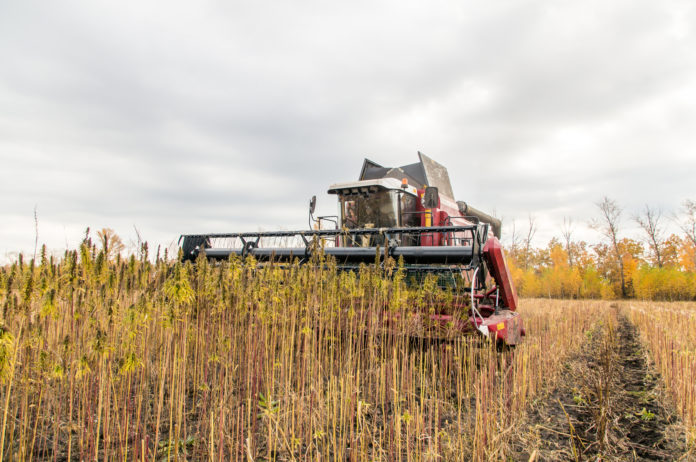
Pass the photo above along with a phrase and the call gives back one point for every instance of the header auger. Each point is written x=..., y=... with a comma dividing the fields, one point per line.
x=383, y=213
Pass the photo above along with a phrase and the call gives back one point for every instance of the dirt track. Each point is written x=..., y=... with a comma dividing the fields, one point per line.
x=610, y=406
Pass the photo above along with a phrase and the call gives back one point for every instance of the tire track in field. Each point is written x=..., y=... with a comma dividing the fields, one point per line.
x=610, y=405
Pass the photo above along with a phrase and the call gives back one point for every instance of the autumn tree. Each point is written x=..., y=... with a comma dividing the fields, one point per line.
x=608, y=226
x=672, y=249
x=561, y=279
x=513, y=250
x=531, y=231
x=687, y=255
x=567, y=234
x=687, y=223
x=111, y=243
x=688, y=220
x=582, y=257
x=649, y=222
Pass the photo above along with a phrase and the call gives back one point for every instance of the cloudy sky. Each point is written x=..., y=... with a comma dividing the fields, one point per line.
x=178, y=117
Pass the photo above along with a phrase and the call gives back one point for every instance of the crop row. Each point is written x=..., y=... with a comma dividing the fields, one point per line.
x=114, y=359
x=670, y=334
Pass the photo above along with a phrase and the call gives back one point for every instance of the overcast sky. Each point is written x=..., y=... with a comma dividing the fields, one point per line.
x=205, y=116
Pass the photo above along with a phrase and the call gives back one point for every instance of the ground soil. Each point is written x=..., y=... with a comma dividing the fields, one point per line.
x=640, y=421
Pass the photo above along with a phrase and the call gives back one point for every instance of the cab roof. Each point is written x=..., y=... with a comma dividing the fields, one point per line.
x=426, y=172
x=368, y=186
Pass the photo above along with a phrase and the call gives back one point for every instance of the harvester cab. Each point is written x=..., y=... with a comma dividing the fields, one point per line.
x=407, y=213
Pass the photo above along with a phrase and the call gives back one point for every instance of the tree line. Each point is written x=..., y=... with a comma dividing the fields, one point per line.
x=654, y=266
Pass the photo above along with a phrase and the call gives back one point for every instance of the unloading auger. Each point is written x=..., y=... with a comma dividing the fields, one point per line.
x=384, y=214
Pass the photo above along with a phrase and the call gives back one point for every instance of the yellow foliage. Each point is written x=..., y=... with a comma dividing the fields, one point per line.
x=687, y=256
x=592, y=285
x=559, y=257
x=608, y=292
x=664, y=284
x=530, y=285
x=515, y=273
x=555, y=275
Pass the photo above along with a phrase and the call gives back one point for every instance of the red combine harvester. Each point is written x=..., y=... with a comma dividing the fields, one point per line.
x=406, y=213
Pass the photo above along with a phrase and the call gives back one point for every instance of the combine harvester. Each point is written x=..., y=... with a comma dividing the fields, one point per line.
x=405, y=213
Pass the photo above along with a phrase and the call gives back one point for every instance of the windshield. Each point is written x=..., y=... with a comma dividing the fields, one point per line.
x=380, y=209
x=374, y=210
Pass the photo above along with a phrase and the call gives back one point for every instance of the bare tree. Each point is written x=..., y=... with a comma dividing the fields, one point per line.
x=649, y=221
x=528, y=240
x=111, y=242
x=567, y=233
x=514, y=238
x=608, y=226
x=688, y=221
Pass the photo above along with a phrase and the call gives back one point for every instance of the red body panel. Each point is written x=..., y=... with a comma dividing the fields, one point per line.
x=503, y=325
x=493, y=253
x=438, y=216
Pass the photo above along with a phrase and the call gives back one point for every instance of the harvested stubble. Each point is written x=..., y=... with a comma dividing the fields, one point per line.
x=129, y=359
x=669, y=330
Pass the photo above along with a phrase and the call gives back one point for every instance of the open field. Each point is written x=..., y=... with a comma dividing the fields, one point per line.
x=134, y=360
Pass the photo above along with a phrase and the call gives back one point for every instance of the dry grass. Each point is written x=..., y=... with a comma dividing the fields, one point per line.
x=140, y=361
x=669, y=330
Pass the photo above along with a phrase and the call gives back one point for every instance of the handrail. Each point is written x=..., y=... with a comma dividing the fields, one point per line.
x=337, y=232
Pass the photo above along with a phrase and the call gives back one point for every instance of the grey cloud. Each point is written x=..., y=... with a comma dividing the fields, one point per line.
x=232, y=114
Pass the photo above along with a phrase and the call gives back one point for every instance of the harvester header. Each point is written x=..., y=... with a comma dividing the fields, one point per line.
x=407, y=213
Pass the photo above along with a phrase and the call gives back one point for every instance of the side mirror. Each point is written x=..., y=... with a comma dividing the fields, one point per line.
x=312, y=204
x=431, y=198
